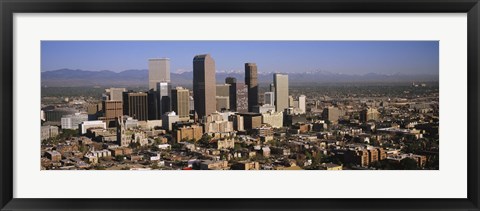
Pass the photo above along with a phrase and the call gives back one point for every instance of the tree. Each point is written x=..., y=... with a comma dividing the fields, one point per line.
x=408, y=164
x=154, y=166
x=119, y=157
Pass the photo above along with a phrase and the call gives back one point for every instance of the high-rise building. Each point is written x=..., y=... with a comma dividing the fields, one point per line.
x=242, y=97
x=223, y=90
x=153, y=105
x=115, y=93
x=135, y=104
x=302, y=103
x=223, y=103
x=204, y=85
x=291, y=102
x=180, y=103
x=164, y=90
x=112, y=109
x=223, y=97
x=232, y=92
x=281, y=91
x=158, y=71
x=251, y=80
x=269, y=98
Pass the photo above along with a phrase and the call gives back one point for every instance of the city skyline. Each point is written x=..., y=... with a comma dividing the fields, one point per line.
x=153, y=126
x=343, y=57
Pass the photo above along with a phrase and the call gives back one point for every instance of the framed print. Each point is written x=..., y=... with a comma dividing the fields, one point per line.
x=239, y=105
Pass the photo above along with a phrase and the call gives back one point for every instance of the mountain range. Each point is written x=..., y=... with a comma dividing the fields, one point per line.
x=76, y=78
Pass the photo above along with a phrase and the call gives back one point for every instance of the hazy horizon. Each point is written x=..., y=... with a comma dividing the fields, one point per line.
x=338, y=57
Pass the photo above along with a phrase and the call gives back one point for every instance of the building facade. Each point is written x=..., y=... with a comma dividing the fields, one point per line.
x=158, y=71
x=135, y=104
x=232, y=92
x=204, y=85
x=112, y=109
x=251, y=80
x=180, y=103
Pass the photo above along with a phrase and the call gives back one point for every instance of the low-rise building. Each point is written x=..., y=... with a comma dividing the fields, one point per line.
x=48, y=131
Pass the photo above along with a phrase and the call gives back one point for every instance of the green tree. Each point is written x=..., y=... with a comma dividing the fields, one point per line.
x=408, y=164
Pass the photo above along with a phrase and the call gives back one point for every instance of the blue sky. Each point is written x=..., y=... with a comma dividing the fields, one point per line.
x=347, y=57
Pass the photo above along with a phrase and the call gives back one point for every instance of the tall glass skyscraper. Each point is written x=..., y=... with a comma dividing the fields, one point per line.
x=251, y=81
x=204, y=85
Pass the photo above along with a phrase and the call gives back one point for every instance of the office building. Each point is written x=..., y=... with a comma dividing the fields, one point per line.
x=204, y=85
x=291, y=102
x=112, y=109
x=242, y=97
x=164, y=90
x=281, y=91
x=223, y=97
x=223, y=90
x=263, y=108
x=72, y=121
x=193, y=132
x=232, y=92
x=251, y=120
x=158, y=71
x=331, y=114
x=223, y=103
x=269, y=98
x=180, y=103
x=55, y=114
x=168, y=119
x=84, y=126
x=217, y=123
x=115, y=94
x=237, y=122
x=251, y=80
x=135, y=104
x=48, y=131
x=153, y=105
x=302, y=103
x=272, y=118
x=94, y=110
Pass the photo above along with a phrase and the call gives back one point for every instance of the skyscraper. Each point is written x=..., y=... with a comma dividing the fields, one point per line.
x=281, y=91
x=204, y=85
x=153, y=105
x=164, y=90
x=223, y=97
x=302, y=103
x=135, y=104
x=269, y=98
x=251, y=81
x=233, y=92
x=180, y=103
x=115, y=93
x=158, y=71
x=112, y=109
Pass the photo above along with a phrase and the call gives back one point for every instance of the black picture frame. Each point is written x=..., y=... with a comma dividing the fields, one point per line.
x=10, y=7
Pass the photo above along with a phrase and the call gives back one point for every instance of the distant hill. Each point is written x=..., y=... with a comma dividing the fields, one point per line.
x=75, y=78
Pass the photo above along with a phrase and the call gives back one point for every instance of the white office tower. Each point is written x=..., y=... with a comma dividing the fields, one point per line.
x=302, y=103
x=158, y=71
